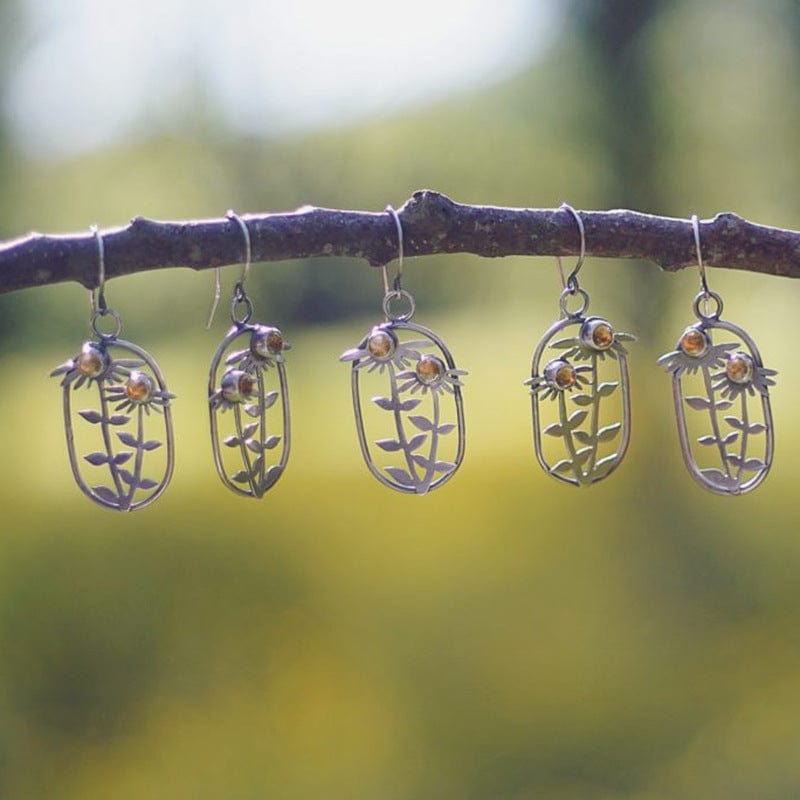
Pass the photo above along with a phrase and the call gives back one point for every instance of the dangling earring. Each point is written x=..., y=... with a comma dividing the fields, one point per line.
x=723, y=375
x=241, y=457
x=573, y=371
x=420, y=370
x=128, y=389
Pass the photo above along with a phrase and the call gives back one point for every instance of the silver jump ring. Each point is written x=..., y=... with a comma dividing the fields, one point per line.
x=240, y=298
x=704, y=297
x=106, y=312
x=570, y=292
x=394, y=295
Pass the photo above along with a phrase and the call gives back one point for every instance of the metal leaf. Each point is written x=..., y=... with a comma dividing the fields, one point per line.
x=582, y=399
x=754, y=464
x=448, y=427
x=386, y=403
x=554, y=430
x=128, y=477
x=604, y=464
x=271, y=441
x=106, y=494
x=269, y=399
x=147, y=483
x=423, y=423
x=118, y=419
x=422, y=461
x=734, y=459
x=731, y=437
x=253, y=445
x=400, y=475
x=409, y=405
x=97, y=458
x=708, y=440
x=121, y=458
x=698, y=403
x=562, y=466
x=249, y=430
x=723, y=404
x=609, y=432
x=756, y=427
x=605, y=389
x=444, y=466
x=253, y=409
x=128, y=438
x=240, y=477
x=584, y=437
x=560, y=344
x=576, y=418
x=735, y=422
x=390, y=445
x=91, y=416
x=416, y=441
x=231, y=441
x=582, y=456
x=152, y=444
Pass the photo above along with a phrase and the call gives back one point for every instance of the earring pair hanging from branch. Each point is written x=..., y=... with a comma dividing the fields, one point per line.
x=126, y=468
x=417, y=410
x=580, y=366
x=253, y=388
x=729, y=385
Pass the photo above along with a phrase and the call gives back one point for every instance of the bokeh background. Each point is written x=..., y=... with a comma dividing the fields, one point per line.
x=507, y=636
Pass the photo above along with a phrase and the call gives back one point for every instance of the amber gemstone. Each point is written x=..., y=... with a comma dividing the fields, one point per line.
x=739, y=368
x=694, y=343
x=139, y=387
x=381, y=345
x=565, y=376
x=430, y=370
x=560, y=374
x=91, y=361
x=597, y=333
x=266, y=342
x=237, y=385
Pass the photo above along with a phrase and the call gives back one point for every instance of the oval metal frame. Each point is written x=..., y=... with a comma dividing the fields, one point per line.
x=111, y=341
x=625, y=434
x=268, y=476
x=458, y=400
x=683, y=433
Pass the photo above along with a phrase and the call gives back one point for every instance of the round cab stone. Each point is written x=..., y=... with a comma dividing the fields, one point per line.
x=381, y=345
x=139, y=387
x=430, y=369
x=597, y=333
x=694, y=343
x=237, y=385
x=266, y=342
x=91, y=361
x=739, y=368
x=560, y=374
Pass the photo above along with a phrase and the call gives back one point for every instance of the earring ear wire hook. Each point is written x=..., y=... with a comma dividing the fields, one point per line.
x=572, y=281
x=98, y=295
x=701, y=266
x=238, y=292
x=397, y=284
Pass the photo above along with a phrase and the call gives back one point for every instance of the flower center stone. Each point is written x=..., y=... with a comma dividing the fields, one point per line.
x=694, y=343
x=381, y=345
x=139, y=387
x=739, y=368
x=430, y=370
x=92, y=361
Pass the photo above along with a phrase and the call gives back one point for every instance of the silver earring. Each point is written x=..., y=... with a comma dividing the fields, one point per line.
x=423, y=450
x=579, y=362
x=252, y=387
x=720, y=380
x=127, y=469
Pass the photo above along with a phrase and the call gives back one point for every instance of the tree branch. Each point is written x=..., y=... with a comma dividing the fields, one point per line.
x=432, y=223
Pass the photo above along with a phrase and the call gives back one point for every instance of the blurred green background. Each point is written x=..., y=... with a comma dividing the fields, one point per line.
x=507, y=636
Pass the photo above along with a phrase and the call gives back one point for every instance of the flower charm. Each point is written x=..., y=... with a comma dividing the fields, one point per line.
x=236, y=386
x=430, y=375
x=266, y=350
x=139, y=391
x=596, y=339
x=742, y=375
x=381, y=349
x=93, y=364
x=559, y=376
x=695, y=351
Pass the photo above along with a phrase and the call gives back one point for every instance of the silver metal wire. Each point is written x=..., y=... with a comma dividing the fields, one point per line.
x=700, y=265
x=239, y=295
x=572, y=281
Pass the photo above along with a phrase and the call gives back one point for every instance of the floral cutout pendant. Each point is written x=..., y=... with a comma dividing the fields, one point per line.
x=127, y=468
x=414, y=371
x=252, y=386
x=730, y=385
x=585, y=373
